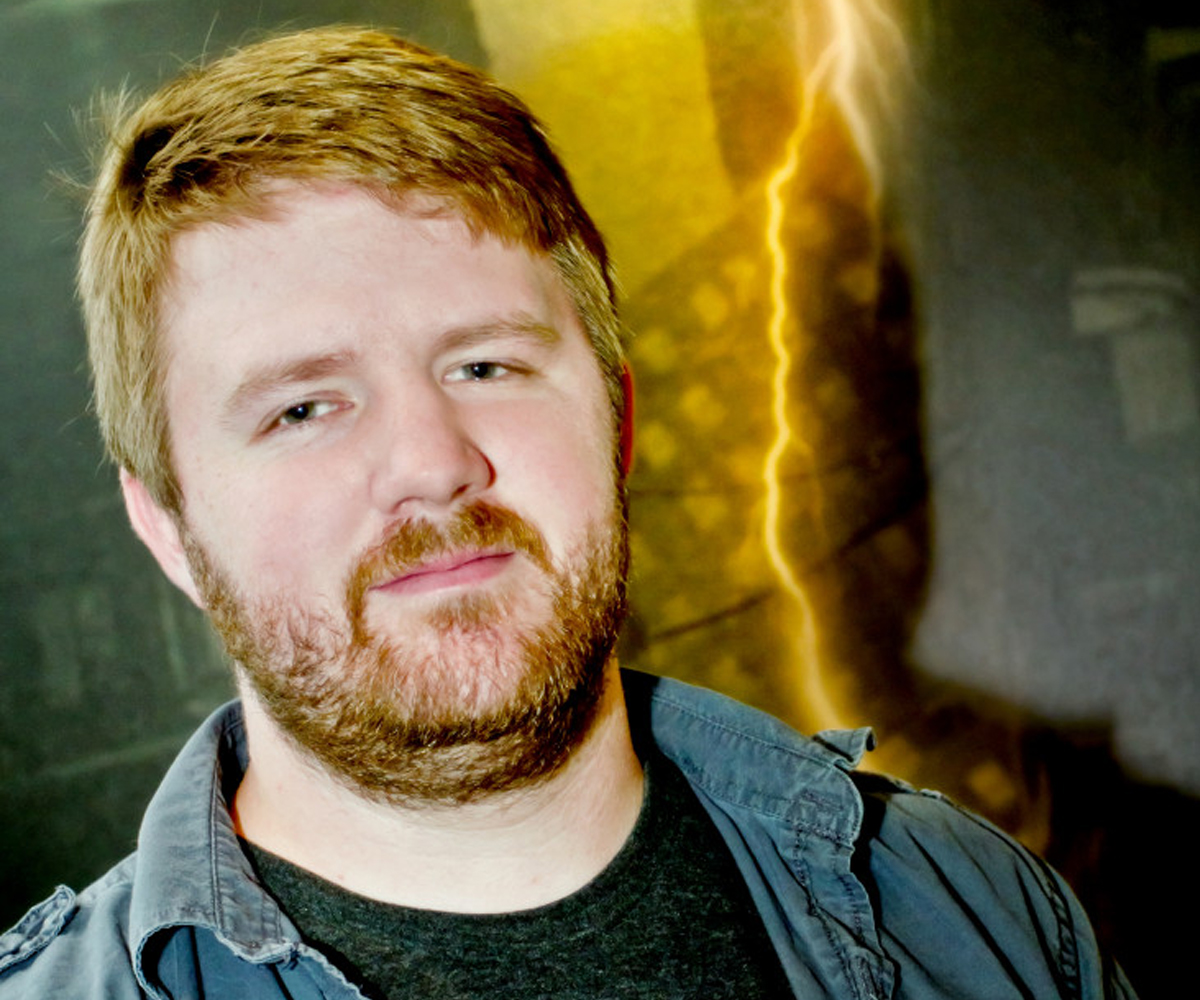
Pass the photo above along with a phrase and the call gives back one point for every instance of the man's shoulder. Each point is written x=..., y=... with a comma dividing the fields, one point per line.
x=936, y=871
x=813, y=789
x=85, y=945
x=925, y=833
x=801, y=817
x=72, y=945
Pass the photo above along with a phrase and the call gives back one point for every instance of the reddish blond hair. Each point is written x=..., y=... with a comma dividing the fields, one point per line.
x=343, y=104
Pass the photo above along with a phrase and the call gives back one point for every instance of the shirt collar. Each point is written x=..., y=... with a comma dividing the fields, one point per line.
x=749, y=760
x=190, y=868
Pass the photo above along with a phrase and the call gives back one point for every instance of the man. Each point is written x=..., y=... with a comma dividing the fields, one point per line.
x=355, y=352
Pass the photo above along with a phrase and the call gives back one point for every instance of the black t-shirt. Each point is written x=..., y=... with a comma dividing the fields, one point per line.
x=670, y=917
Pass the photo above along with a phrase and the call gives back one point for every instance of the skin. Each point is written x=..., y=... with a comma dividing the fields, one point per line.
x=339, y=366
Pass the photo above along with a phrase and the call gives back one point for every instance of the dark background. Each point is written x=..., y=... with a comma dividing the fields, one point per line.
x=1008, y=441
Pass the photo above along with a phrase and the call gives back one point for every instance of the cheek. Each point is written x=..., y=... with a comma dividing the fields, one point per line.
x=560, y=469
x=269, y=530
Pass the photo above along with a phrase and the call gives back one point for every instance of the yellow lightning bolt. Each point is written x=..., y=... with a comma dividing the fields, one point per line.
x=832, y=74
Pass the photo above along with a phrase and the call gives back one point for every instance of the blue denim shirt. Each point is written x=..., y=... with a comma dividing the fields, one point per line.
x=867, y=888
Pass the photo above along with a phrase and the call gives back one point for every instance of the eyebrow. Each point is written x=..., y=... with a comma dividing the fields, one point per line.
x=270, y=379
x=520, y=325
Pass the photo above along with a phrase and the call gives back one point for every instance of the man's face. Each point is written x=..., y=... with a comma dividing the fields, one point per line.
x=396, y=453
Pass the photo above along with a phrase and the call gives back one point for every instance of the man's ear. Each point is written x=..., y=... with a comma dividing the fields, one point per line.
x=160, y=531
x=627, y=419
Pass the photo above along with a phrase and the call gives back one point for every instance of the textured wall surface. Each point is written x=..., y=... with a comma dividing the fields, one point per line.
x=918, y=441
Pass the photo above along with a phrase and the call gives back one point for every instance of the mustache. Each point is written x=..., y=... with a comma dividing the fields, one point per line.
x=479, y=525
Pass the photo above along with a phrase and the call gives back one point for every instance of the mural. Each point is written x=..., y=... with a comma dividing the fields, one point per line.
x=910, y=289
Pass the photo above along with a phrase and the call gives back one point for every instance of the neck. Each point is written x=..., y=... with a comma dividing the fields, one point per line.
x=511, y=851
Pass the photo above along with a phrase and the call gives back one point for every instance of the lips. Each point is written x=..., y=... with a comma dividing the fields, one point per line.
x=477, y=544
x=455, y=570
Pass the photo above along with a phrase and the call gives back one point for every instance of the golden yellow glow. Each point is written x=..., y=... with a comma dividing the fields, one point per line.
x=815, y=702
x=623, y=88
x=848, y=25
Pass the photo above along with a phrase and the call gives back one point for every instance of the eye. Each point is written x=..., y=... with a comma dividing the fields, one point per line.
x=302, y=413
x=479, y=371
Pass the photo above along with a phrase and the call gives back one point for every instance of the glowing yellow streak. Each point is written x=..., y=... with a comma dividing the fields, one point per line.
x=817, y=705
x=832, y=73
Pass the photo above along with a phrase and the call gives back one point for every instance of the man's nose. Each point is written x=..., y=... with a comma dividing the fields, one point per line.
x=424, y=456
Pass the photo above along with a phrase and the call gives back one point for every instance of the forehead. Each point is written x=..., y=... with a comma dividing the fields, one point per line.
x=349, y=219
x=313, y=258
